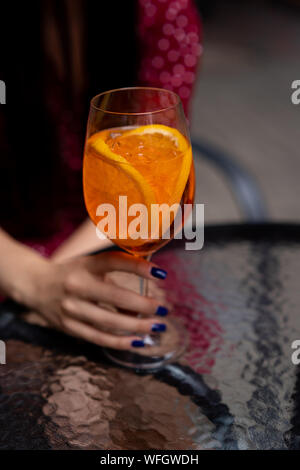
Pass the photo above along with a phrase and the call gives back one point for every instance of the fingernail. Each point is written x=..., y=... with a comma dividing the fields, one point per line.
x=159, y=273
x=158, y=327
x=136, y=343
x=161, y=311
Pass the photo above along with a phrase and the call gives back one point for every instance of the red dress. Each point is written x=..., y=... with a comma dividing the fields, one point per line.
x=170, y=35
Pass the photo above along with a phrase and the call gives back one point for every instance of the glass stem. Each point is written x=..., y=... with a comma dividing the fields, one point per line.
x=149, y=339
x=143, y=281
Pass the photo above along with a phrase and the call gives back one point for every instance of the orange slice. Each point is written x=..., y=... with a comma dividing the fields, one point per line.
x=169, y=139
x=127, y=171
x=106, y=176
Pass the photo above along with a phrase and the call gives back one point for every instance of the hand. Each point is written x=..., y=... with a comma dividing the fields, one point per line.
x=77, y=297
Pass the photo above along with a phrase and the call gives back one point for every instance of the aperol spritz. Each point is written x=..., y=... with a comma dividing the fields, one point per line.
x=138, y=162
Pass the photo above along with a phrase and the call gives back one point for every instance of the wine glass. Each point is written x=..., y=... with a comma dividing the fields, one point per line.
x=138, y=178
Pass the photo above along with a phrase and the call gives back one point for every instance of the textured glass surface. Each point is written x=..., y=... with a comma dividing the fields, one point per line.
x=235, y=387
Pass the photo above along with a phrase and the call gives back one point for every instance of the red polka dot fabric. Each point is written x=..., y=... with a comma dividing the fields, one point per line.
x=170, y=36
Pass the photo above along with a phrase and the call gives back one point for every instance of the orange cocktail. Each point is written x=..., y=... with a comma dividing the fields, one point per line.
x=150, y=165
x=138, y=179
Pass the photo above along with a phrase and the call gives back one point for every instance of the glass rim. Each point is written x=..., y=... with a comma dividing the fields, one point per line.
x=167, y=108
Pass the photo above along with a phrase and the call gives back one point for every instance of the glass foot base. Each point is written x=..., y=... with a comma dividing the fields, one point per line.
x=160, y=349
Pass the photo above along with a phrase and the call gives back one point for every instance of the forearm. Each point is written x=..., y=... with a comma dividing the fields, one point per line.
x=83, y=240
x=19, y=266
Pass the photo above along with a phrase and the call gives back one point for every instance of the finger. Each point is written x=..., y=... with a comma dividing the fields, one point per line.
x=116, y=261
x=87, y=312
x=88, y=287
x=88, y=333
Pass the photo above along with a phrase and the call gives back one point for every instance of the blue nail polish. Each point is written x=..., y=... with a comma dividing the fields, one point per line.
x=161, y=311
x=136, y=343
x=159, y=273
x=158, y=327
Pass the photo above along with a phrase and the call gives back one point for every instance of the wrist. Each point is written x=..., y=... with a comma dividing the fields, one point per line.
x=23, y=274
